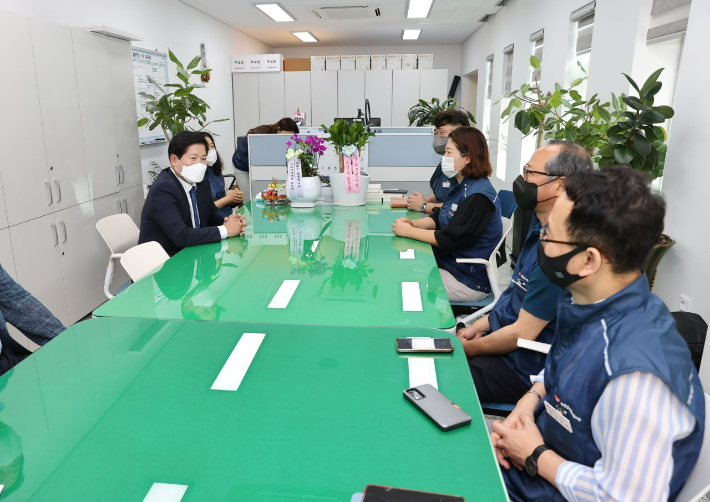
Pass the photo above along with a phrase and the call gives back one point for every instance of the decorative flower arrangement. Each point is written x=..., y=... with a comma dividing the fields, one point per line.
x=309, y=150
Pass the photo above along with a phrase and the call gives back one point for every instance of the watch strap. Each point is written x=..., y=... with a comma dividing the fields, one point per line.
x=536, y=393
x=538, y=451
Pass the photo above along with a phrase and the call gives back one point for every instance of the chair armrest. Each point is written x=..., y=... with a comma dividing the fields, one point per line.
x=472, y=260
x=532, y=345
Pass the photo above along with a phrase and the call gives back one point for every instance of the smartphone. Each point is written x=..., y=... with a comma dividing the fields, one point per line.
x=437, y=407
x=395, y=190
x=424, y=345
x=376, y=493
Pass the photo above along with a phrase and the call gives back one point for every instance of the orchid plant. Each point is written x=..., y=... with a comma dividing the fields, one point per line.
x=308, y=150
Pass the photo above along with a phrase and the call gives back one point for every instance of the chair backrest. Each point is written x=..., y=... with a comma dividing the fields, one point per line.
x=143, y=259
x=119, y=232
x=507, y=225
x=698, y=483
x=507, y=203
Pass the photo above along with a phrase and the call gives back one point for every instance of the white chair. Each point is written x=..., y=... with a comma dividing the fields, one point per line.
x=143, y=259
x=120, y=233
x=698, y=483
x=492, y=270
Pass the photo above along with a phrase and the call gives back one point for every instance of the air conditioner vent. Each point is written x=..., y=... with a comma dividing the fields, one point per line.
x=346, y=12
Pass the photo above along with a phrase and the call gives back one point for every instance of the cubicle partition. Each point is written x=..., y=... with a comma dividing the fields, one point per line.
x=397, y=157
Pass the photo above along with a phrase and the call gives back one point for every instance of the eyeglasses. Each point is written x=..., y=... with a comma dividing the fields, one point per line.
x=526, y=170
x=543, y=238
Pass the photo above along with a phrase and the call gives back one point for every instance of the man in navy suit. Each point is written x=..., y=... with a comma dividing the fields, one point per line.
x=179, y=210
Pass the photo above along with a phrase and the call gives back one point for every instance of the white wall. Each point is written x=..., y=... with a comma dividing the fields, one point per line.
x=684, y=269
x=162, y=24
x=446, y=57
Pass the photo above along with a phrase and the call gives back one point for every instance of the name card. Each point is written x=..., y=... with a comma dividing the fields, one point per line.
x=295, y=183
x=352, y=173
x=257, y=63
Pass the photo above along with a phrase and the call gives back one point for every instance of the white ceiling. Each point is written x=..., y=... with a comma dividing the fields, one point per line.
x=449, y=22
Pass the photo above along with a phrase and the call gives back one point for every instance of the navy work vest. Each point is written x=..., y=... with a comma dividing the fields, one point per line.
x=630, y=331
x=440, y=184
x=524, y=362
x=472, y=275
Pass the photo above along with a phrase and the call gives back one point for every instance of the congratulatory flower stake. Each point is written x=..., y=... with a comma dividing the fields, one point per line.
x=351, y=163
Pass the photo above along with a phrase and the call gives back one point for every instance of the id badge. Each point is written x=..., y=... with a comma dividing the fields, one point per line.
x=558, y=416
x=446, y=184
x=454, y=207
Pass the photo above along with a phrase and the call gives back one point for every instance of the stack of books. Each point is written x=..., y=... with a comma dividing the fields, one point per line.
x=374, y=194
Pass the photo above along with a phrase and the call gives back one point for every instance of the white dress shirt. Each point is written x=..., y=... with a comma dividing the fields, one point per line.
x=187, y=187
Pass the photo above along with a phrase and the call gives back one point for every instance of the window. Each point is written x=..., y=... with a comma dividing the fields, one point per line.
x=487, y=103
x=583, y=21
x=538, y=39
x=501, y=145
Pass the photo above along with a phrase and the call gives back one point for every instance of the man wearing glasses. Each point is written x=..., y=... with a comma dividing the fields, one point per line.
x=527, y=309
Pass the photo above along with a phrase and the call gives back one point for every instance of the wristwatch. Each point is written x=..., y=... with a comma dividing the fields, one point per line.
x=531, y=461
x=423, y=207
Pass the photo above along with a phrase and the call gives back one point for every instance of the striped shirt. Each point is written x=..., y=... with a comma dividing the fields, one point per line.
x=634, y=424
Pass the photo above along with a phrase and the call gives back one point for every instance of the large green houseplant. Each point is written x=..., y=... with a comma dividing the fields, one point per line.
x=343, y=135
x=423, y=113
x=175, y=111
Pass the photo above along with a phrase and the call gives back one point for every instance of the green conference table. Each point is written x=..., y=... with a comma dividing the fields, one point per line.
x=114, y=405
x=326, y=265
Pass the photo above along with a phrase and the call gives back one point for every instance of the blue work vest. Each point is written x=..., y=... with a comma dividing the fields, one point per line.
x=218, y=190
x=524, y=362
x=630, y=331
x=440, y=184
x=472, y=275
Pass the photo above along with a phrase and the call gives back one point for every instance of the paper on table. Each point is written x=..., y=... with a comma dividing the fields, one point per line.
x=165, y=492
x=406, y=255
x=422, y=371
x=237, y=365
x=411, y=297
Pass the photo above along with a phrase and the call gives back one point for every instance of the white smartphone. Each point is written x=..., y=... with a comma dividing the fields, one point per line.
x=424, y=344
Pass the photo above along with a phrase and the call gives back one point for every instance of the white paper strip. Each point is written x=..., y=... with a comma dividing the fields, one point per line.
x=406, y=255
x=284, y=294
x=165, y=492
x=233, y=371
x=422, y=371
x=411, y=297
x=533, y=345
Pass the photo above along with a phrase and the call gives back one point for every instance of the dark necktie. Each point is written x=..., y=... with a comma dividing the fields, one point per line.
x=193, y=196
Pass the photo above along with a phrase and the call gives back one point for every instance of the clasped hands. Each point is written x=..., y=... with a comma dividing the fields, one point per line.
x=235, y=225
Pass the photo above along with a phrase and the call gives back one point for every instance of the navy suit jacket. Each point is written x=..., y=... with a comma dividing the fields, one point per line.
x=166, y=215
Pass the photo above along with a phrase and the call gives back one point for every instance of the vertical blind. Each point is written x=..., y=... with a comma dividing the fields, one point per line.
x=489, y=90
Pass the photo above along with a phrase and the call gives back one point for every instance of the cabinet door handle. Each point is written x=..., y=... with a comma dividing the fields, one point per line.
x=59, y=190
x=123, y=174
x=118, y=175
x=120, y=208
x=125, y=206
x=64, y=230
x=49, y=192
x=54, y=234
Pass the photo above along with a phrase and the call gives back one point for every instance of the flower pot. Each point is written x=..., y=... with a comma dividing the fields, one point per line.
x=341, y=198
x=311, y=192
x=654, y=258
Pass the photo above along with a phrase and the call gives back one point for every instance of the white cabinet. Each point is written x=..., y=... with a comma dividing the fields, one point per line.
x=96, y=103
x=78, y=255
x=124, y=112
x=351, y=93
x=132, y=203
x=378, y=89
x=25, y=177
x=405, y=94
x=35, y=247
x=271, y=86
x=3, y=212
x=107, y=206
x=324, y=97
x=433, y=84
x=297, y=93
x=6, y=258
x=245, y=87
x=61, y=119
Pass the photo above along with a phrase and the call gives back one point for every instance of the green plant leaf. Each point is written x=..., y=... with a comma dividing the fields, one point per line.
x=174, y=59
x=642, y=144
x=522, y=121
x=604, y=113
x=660, y=133
x=652, y=90
x=524, y=89
x=617, y=139
x=174, y=85
x=651, y=117
x=193, y=64
x=624, y=154
x=607, y=151
x=635, y=103
x=576, y=82
x=667, y=111
x=534, y=62
x=650, y=81
x=143, y=122
x=556, y=99
x=579, y=63
x=633, y=84
x=575, y=95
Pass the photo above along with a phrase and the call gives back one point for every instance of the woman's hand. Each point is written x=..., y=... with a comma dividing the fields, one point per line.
x=236, y=196
x=402, y=227
x=415, y=201
x=516, y=440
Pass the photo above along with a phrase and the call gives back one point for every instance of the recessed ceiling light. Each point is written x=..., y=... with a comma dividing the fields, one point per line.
x=304, y=36
x=275, y=12
x=419, y=9
x=411, y=34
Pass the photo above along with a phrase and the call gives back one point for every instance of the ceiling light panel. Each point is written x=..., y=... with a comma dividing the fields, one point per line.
x=304, y=36
x=275, y=12
x=411, y=34
x=419, y=9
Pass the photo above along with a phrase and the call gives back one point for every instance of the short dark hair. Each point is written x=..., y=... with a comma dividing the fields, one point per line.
x=572, y=158
x=451, y=116
x=616, y=212
x=472, y=142
x=184, y=140
x=218, y=166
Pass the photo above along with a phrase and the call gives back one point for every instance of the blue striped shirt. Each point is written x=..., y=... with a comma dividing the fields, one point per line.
x=634, y=424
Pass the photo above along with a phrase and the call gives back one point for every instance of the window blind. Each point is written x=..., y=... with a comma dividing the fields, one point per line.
x=585, y=30
x=508, y=81
x=537, y=72
x=674, y=16
x=489, y=89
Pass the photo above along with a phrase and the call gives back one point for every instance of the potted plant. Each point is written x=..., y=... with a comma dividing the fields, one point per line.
x=423, y=113
x=349, y=189
x=303, y=185
x=175, y=110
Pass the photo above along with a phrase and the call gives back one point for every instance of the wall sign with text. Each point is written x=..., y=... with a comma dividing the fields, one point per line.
x=257, y=63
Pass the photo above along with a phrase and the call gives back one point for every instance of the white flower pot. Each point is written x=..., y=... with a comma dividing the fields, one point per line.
x=341, y=198
x=311, y=192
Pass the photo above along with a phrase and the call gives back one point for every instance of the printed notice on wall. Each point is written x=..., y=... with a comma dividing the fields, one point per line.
x=154, y=65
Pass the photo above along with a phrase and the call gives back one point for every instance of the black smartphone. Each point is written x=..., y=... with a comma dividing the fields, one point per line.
x=377, y=493
x=437, y=407
x=424, y=344
x=395, y=190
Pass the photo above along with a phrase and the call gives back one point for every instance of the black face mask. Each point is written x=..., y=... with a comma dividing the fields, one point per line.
x=525, y=193
x=555, y=268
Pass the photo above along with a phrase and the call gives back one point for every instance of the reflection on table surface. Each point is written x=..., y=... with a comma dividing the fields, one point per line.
x=349, y=264
x=113, y=405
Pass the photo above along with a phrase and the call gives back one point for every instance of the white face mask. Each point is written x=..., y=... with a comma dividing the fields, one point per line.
x=211, y=157
x=447, y=166
x=193, y=173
